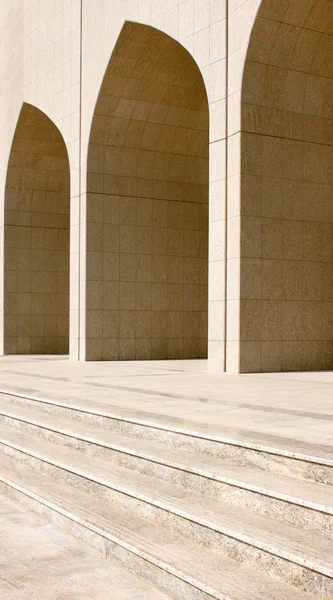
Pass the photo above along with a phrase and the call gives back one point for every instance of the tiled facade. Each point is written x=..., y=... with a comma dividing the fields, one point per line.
x=287, y=201
x=147, y=204
x=36, y=253
x=184, y=121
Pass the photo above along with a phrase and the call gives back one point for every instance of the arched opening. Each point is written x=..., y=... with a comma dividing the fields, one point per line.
x=37, y=220
x=147, y=204
x=287, y=189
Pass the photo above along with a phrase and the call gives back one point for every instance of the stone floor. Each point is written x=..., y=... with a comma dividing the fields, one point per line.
x=39, y=562
x=277, y=407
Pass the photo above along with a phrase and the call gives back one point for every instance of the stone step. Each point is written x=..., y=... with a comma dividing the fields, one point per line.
x=40, y=562
x=277, y=548
x=299, y=502
x=278, y=455
x=177, y=565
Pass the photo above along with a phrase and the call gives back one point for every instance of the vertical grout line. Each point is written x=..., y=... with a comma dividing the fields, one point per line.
x=80, y=190
x=226, y=182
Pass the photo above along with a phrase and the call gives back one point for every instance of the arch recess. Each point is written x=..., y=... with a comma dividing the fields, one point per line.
x=286, y=305
x=37, y=221
x=147, y=204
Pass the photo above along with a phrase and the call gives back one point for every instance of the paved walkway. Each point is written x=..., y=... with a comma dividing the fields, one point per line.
x=38, y=562
x=294, y=408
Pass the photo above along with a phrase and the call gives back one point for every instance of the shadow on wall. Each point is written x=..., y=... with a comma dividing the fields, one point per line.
x=147, y=204
x=287, y=190
x=37, y=221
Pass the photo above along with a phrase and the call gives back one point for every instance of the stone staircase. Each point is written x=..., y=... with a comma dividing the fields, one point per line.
x=200, y=517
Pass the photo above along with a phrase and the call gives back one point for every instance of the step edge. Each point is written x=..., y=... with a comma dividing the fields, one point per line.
x=166, y=566
x=298, y=560
x=113, y=538
x=172, y=429
x=325, y=509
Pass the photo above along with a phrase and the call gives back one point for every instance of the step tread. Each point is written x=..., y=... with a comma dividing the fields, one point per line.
x=222, y=577
x=284, y=540
x=306, y=493
x=228, y=433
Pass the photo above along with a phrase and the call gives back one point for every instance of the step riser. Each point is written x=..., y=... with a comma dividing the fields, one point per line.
x=306, y=518
x=262, y=559
x=169, y=583
x=274, y=463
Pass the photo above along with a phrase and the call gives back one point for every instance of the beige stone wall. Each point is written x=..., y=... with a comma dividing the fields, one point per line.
x=40, y=66
x=268, y=92
x=37, y=205
x=147, y=204
x=200, y=27
x=286, y=306
x=49, y=61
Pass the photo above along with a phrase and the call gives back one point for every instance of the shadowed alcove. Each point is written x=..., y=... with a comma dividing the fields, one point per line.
x=37, y=221
x=147, y=204
x=287, y=189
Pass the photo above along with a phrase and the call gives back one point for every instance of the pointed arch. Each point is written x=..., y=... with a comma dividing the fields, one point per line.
x=36, y=238
x=147, y=203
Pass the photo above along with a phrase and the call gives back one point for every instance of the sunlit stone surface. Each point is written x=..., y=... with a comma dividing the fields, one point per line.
x=166, y=288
